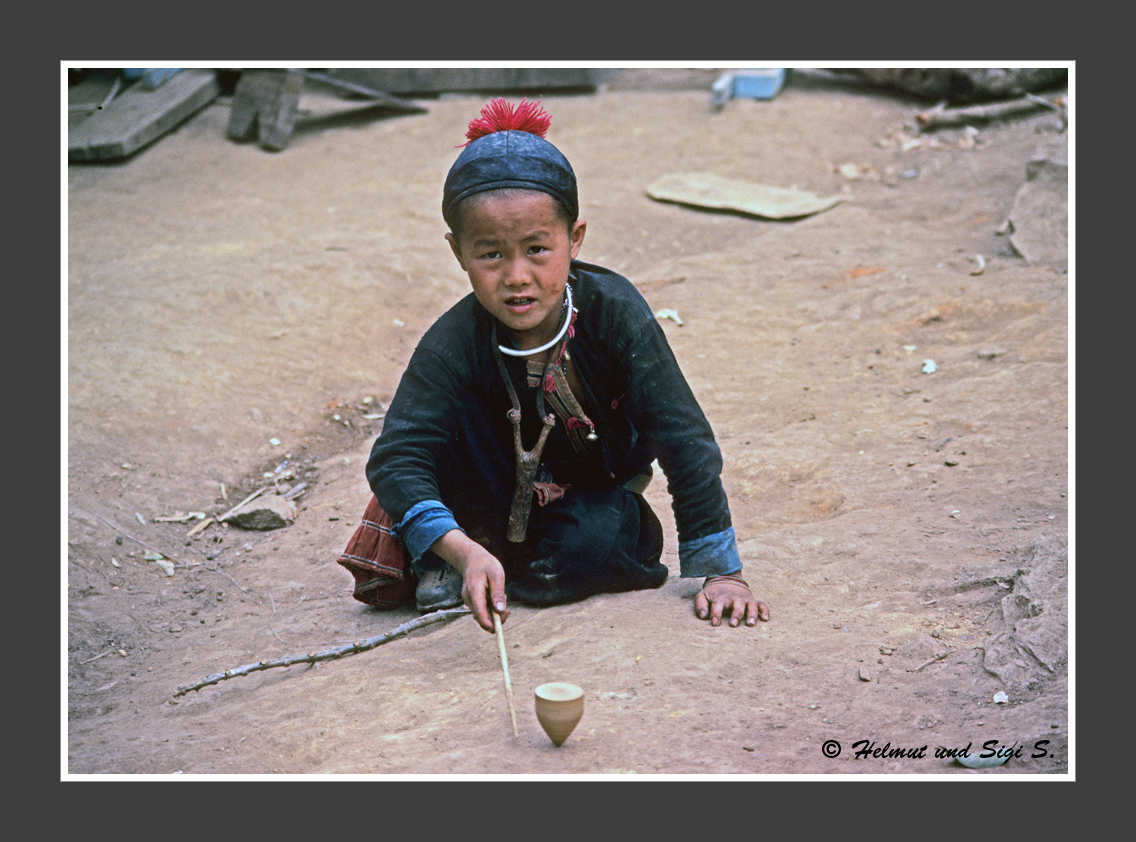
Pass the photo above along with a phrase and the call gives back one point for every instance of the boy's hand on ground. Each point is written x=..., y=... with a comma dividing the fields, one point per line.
x=731, y=597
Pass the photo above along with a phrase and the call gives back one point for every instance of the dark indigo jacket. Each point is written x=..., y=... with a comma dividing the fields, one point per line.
x=445, y=453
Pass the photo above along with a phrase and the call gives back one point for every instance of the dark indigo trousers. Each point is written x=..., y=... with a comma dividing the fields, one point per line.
x=590, y=541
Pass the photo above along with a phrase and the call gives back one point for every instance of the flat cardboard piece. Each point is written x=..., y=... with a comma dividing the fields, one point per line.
x=712, y=191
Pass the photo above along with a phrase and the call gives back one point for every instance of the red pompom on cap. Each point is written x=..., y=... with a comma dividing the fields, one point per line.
x=501, y=116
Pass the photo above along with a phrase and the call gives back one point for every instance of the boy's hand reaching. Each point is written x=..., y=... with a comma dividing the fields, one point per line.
x=483, y=577
x=484, y=589
x=729, y=595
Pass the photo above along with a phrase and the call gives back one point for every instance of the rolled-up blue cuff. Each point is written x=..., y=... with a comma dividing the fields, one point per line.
x=424, y=524
x=714, y=555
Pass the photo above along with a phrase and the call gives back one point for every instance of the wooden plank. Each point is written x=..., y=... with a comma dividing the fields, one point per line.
x=432, y=80
x=138, y=117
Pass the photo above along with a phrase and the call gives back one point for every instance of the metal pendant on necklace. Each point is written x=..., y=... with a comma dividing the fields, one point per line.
x=553, y=379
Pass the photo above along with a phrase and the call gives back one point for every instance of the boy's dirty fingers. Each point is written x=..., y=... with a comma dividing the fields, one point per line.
x=475, y=600
x=726, y=598
x=709, y=608
x=701, y=605
x=497, y=597
x=476, y=595
x=752, y=609
x=484, y=592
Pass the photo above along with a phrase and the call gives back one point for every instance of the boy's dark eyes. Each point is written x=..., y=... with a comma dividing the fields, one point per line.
x=495, y=255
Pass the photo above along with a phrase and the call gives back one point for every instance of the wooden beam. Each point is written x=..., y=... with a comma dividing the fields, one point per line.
x=138, y=116
x=432, y=80
x=377, y=97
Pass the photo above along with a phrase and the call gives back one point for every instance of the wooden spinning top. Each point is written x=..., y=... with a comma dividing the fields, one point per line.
x=559, y=707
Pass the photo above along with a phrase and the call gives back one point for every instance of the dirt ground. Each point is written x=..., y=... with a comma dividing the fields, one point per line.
x=237, y=319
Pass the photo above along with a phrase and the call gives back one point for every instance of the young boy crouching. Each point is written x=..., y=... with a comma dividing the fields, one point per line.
x=516, y=447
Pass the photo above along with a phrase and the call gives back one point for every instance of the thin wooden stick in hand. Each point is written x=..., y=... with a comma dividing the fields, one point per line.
x=505, y=669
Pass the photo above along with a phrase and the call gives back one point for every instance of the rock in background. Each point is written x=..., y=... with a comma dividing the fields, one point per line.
x=1040, y=215
x=264, y=513
x=1033, y=647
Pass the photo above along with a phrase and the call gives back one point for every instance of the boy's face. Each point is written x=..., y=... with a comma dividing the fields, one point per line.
x=516, y=250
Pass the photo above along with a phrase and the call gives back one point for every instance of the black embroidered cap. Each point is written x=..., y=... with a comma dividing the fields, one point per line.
x=505, y=152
